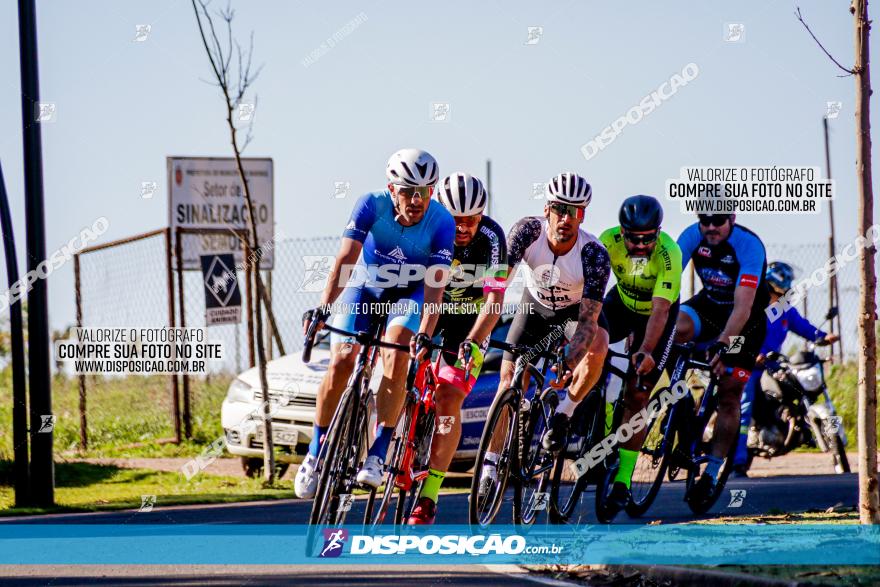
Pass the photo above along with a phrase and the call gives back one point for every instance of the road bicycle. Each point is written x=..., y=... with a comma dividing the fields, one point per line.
x=594, y=419
x=514, y=425
x=680, y=438
x=410, y=447
x=345, y=445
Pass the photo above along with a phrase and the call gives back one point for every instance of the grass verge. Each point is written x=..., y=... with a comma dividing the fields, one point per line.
x=127, y=416
x=86, y=487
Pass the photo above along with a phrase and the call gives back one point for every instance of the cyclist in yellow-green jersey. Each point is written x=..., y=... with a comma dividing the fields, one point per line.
x=647, y=264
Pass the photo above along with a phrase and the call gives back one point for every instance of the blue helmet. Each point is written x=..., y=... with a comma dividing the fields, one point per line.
x=779, y=276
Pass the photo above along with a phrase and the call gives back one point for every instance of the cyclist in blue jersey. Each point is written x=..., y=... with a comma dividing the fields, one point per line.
x=779, y=277
x=396, y=250
x=728, y=313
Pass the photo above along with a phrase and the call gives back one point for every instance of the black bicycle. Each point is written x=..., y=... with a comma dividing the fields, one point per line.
x=679, y=438
x=583, y=460
x=344, y=448
x=514, y=425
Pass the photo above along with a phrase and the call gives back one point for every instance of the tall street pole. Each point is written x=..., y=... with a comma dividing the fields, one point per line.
x=833, y=286
x=489, y=186
x=42, y=478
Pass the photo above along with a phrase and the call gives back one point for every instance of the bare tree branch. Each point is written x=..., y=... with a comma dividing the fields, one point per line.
x=221, y=63
x=205, y=40
x=806, y=26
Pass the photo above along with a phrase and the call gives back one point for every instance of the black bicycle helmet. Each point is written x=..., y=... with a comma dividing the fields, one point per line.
x=641, y=213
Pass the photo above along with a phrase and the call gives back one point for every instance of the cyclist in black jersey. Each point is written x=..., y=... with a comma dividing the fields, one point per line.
x=728, y=313
x=471, y=307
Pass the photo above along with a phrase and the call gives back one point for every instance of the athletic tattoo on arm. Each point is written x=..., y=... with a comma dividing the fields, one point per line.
x=588, y=324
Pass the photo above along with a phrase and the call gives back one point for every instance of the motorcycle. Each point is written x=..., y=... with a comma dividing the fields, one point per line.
x=795, y=409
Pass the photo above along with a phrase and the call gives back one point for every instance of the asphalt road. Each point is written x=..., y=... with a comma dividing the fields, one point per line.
x=767, y=495
x=786, y=494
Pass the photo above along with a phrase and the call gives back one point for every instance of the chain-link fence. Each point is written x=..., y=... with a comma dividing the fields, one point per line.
x=127, y=283
x=805, y=259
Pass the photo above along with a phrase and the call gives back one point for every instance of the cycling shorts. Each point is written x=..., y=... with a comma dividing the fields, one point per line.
x=622, y=322
x=358, y=305
x=535, y=322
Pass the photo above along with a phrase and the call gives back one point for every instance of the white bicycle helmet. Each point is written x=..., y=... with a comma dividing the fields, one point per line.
x=569, y=188
x=413, y=168
x=462, y=194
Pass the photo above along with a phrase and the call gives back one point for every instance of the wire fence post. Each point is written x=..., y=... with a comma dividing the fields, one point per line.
x=187, y=414
x=172, y=321
x=269, y=331
x=83, y=422
x=249, y=302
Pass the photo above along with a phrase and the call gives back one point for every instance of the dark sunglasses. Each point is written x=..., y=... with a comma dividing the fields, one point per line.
x=640, y=239
x=570, y=209
x=467, y=221
x=714, y=220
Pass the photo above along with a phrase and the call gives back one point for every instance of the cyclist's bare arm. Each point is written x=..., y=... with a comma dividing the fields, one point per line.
x=743, y=298
x=348, y=254
x=588, y=325
x=488, y=317
x=653, y=332
x=433, y=298
x=656, y=324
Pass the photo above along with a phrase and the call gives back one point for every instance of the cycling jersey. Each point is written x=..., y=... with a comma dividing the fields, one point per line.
x=386, y=241
x=639, y=279
x=558, y=282
x=478, y=268
x=622, y=322
x=740, y=260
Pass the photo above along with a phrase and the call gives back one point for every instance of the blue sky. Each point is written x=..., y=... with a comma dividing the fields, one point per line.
x=123, y=106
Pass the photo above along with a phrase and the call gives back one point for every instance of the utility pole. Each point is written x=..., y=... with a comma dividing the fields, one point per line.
x=869, y=504
x=489, y=186
x=42, y=485
x=833, y=287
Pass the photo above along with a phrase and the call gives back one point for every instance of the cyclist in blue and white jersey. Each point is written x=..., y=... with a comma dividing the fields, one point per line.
x=402, y=229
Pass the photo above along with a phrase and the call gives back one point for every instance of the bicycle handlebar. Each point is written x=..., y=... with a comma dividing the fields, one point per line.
x=361, y=337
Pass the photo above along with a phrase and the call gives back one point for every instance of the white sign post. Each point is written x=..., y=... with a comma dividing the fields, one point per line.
x=205, y=192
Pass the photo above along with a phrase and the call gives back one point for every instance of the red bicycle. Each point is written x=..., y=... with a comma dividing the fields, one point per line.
x=410, y=447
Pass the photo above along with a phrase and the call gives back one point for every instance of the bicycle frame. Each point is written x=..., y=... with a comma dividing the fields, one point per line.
x=700, y=418
x=342, y=480
x=526, y=471
x=422, y=390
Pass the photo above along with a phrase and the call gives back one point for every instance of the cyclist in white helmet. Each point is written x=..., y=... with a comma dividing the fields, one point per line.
x=471, y=307
x=568, y=271
x=401, y=226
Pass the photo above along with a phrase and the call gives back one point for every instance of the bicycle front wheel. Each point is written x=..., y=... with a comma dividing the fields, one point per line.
x=334, y=462
x=530, y=496
x=487, y=494
x=425, y=425
x=569, y=482
x=381, y=499
x=651, y=463
x=704, y=505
